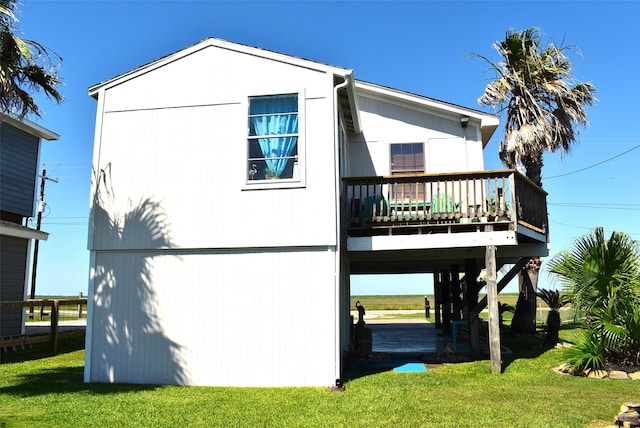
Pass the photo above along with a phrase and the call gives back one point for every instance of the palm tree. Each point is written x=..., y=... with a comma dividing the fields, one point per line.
x=554, y=300
x=543, y=105
x=26, y=66
x=542, y=100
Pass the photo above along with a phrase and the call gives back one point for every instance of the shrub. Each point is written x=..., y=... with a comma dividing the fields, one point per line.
x=588, y=352
x=555, y=300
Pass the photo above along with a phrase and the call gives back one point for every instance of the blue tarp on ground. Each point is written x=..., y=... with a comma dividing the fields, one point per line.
x=411, y=368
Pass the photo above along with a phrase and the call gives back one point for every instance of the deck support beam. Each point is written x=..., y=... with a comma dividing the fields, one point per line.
x=494, y=318
x=437, y=299
x=471, y=300
x=445, y=283
x=501, y=285
x=456, y=290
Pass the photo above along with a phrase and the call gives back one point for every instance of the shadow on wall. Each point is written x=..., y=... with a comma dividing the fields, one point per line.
x=127, y=339
x=361, y=164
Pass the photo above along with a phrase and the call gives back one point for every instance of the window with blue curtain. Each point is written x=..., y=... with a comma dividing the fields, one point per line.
x=273, y=136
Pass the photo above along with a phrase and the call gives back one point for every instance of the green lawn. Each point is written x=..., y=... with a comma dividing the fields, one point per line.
x=48, y=391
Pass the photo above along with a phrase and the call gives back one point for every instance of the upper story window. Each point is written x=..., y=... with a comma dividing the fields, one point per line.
x=407, y=158
x=273, y=137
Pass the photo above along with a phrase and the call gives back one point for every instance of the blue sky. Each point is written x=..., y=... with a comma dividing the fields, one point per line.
x=421, y=46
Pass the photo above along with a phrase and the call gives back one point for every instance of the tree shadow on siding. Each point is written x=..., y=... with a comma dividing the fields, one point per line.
x=128, y=343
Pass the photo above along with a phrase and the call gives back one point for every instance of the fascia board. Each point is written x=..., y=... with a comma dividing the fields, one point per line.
x=18, y=231
x=488, y=122
x=29, y=127
x=353, y=102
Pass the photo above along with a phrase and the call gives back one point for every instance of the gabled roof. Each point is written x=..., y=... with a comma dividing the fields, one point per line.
x=223, y=44
x=342, y=74
x=28, y=126
x=488, y=122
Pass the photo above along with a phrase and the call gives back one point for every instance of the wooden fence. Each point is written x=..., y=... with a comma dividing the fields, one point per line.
x=54, y=335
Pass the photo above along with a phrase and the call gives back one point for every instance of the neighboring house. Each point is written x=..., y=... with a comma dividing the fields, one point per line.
x=235, y=191
x=20, y=141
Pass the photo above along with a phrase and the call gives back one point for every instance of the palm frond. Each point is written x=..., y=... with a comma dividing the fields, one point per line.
x=26, y=67
x=588, y=352
x=553, y=298
x=544, y=103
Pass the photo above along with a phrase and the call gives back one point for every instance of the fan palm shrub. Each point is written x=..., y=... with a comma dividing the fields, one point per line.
x=600, y=272
x=554, y=300
x=602, y=277
x=588, y=352
x=619, y=331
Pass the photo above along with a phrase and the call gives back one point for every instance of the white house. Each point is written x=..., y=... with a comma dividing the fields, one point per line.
x=235, y=191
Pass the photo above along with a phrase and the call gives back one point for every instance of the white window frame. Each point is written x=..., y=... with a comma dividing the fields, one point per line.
x=299, y=168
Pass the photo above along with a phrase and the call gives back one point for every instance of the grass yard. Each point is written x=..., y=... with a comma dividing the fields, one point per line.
x=48, y=391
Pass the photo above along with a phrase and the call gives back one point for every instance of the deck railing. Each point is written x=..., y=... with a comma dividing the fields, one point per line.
x=503, y=197
x=54, y=312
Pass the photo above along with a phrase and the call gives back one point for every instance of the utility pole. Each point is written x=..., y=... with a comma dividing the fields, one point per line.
x=41, y=206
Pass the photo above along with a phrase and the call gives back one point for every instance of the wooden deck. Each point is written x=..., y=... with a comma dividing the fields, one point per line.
x=445, y=203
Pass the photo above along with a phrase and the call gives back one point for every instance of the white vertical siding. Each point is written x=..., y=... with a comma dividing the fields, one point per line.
x=191, y=161
x=238, y=319
x=195, y=279
x=448, y=147
x=212, y=76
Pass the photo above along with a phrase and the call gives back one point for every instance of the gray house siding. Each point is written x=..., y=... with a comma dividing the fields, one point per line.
x=13, y=265
x=18, y=169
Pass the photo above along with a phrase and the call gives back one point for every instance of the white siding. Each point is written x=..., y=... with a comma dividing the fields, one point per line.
x=196, y=279
x=183, y=147
x=448, y=147
x=209, y=76
x=239, y=319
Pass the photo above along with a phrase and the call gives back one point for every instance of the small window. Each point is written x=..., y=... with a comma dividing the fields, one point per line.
x=407, y=158
x=273, y=138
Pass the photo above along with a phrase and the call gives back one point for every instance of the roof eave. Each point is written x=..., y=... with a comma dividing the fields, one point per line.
x=488, y=122
x=353, y=103
x=28, y=126
x=213, y=42
x=19, y=231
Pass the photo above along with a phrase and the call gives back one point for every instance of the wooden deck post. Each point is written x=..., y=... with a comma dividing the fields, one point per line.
x=446, y=301
x=437, y=299
x=471, y=300
x=456, y=300
x=494, y=320
x=53, y=332
x=80, y=306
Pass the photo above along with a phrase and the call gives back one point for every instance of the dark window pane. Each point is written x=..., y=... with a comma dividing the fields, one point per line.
x=407, y=158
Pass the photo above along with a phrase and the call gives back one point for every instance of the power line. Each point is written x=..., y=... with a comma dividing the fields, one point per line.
x=584, y=227
x=627, y=207
x=74, y=223
x=570, y=225
x=594, y=165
